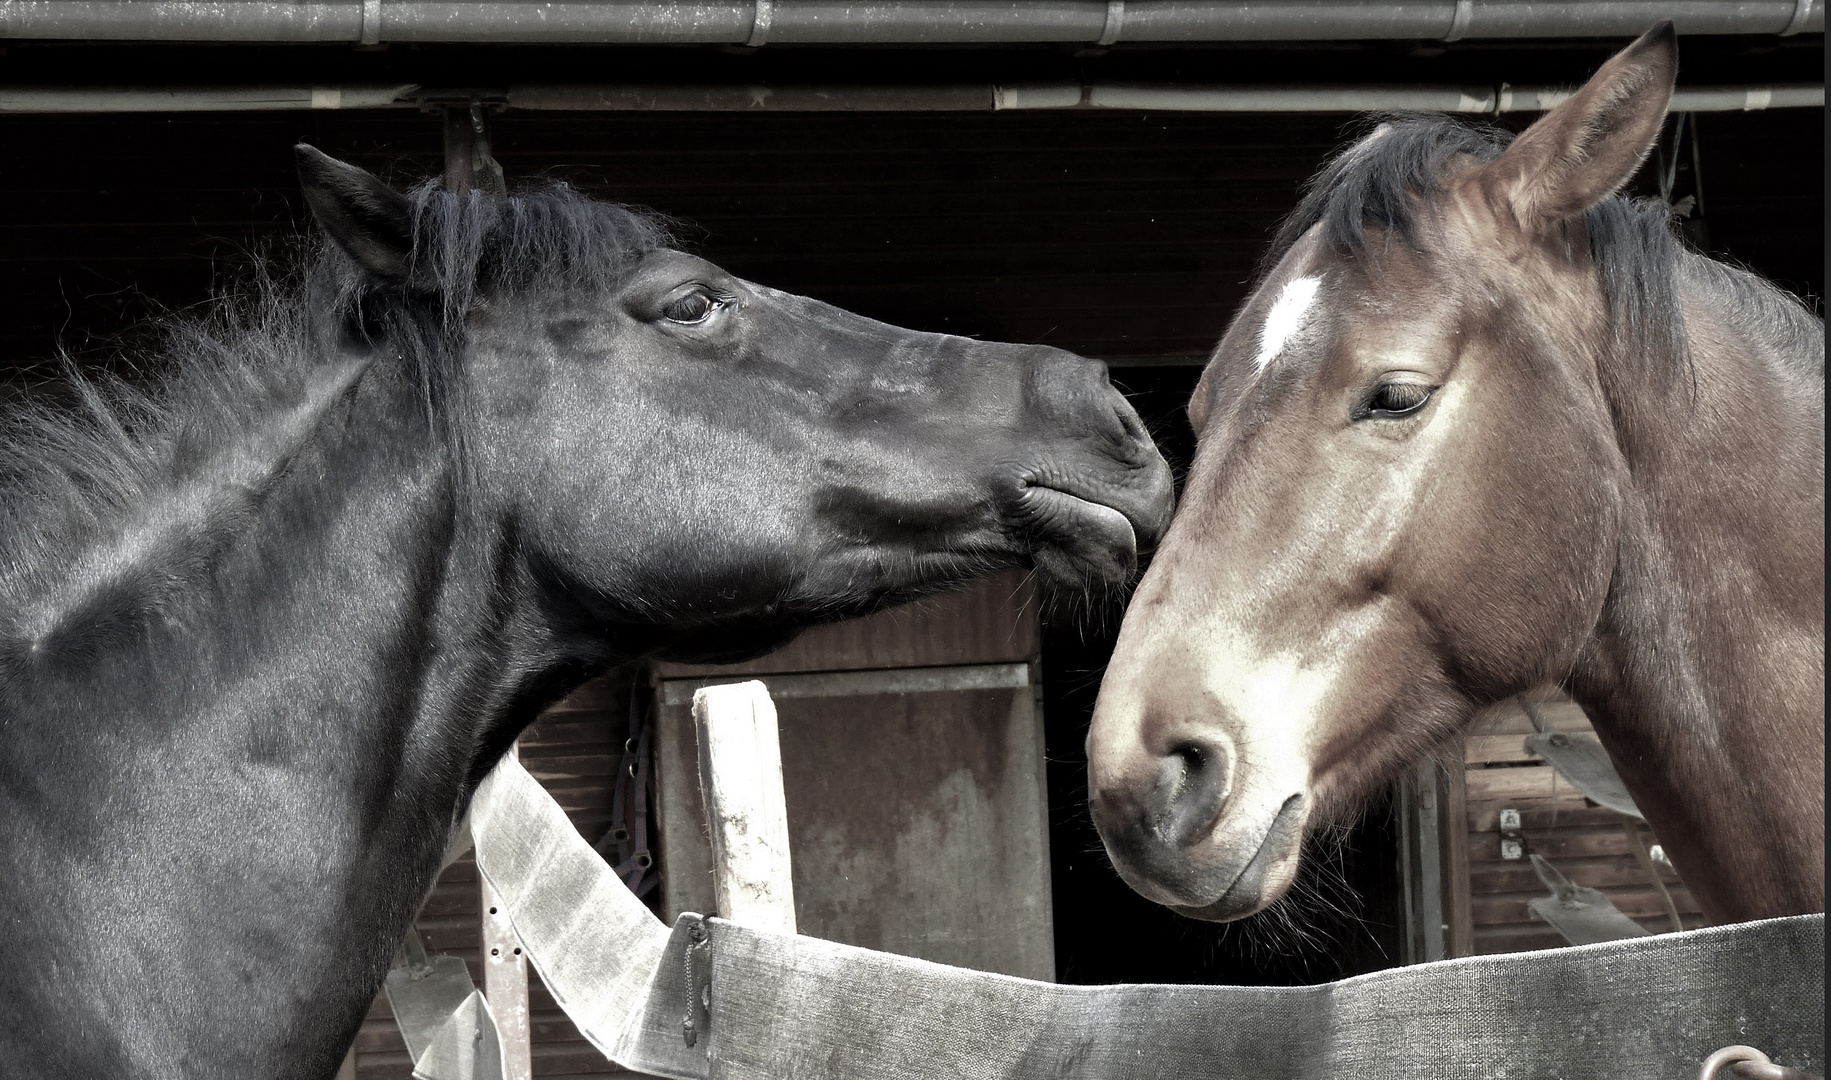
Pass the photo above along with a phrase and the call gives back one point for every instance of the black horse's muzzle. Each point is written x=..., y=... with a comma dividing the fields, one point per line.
x=1102, y=495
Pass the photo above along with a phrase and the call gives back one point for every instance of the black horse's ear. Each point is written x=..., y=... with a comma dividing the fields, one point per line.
x=369, y=220
x=1583, y=151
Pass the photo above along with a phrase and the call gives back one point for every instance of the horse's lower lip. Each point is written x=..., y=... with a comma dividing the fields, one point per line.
x=1079, y=540
x=1104, y=517
x=1252, y=872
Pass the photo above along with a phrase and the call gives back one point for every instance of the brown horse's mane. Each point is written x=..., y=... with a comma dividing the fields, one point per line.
x=1381, y=188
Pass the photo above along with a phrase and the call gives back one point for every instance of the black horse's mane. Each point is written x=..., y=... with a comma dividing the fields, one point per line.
x=1381, y=188
x=86, y=457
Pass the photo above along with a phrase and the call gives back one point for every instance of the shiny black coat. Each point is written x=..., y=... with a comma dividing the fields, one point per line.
x=263, y=628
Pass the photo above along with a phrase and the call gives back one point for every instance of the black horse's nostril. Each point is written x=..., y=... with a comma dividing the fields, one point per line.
x=1078, y=393
x=1191, y=786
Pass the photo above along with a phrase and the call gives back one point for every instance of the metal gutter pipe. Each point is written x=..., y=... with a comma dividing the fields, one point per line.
x=1491, y=100
x=102, y=99
x=883, y=22
x=1478, y=100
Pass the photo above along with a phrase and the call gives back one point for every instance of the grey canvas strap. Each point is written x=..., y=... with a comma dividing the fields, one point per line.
x=1580, y=758
x=786, y=1007
x=1650, y=1008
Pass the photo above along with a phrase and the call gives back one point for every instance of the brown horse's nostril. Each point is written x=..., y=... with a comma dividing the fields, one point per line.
x=1191, y=786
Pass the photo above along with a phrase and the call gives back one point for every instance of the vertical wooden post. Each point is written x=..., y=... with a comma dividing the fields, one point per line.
x=460, y=150
x=469, y=162
x=740, y=774
x=1456, y=899
x=1421, y=863
x=505, y=981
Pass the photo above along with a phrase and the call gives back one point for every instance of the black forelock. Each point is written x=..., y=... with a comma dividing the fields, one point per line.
x=548, y=236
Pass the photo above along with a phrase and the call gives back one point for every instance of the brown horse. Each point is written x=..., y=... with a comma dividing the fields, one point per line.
x=1484, y=426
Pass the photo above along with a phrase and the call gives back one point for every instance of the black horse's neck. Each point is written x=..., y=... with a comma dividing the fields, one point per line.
x=301, y=672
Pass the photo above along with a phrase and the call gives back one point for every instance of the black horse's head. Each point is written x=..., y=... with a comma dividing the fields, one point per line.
x=676, y=447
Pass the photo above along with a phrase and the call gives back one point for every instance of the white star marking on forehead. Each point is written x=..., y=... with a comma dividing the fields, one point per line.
x=1286, y=317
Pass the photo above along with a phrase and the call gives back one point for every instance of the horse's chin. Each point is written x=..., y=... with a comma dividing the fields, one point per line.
x=1081, y=544
x=1218, y=884
x=1241, y=901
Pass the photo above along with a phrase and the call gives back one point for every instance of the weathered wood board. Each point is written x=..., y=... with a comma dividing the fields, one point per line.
x=990, y=622
x=917, y=816
x=1584, y=841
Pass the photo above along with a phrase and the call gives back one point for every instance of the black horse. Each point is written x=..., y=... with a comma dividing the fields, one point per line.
x=265, y=627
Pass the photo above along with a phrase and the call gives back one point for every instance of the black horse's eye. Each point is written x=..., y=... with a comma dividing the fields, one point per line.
x=691, y=307
x=1394, y=399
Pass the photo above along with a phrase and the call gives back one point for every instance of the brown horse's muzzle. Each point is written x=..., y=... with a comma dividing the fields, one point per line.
x=1194, y=815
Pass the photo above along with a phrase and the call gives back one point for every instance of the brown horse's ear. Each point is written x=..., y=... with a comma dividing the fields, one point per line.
x=1582, y=151
x=369, y=220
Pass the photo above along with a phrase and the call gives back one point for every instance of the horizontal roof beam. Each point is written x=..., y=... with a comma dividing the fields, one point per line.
x=883, y=22
x=1141, y=97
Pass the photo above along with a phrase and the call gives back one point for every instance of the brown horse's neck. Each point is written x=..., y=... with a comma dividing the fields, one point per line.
x=1706, y=672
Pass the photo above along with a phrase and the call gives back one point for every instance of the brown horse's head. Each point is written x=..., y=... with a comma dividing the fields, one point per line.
x=1394, y=515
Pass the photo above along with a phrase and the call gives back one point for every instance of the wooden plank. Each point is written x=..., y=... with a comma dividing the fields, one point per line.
x=1535, y=783
x=870, y=683
x=1421, y=828
x=1539, y=815
x=993, y=621
x=1461, y=934
x=1487, y=749
x=1559, y=845
x=1642, y=904
x=740, y=778
x=1604, y=874
x=1507, y=718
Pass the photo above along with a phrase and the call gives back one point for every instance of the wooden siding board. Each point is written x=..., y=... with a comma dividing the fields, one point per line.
x=965, y=222
x=1582, y=840
x=574, y=749
x=990, y=622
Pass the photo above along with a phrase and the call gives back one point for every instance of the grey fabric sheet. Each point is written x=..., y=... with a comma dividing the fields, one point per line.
x=796, y=1008
x=785, y=1007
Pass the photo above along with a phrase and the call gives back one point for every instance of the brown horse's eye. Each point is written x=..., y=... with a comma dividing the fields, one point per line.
x=692, y=307
x=1390, y=400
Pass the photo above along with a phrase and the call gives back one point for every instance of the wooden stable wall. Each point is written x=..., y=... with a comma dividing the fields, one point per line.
x=1583, y=840
x=573, y=750
x=912, y=752
x=912, y=755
